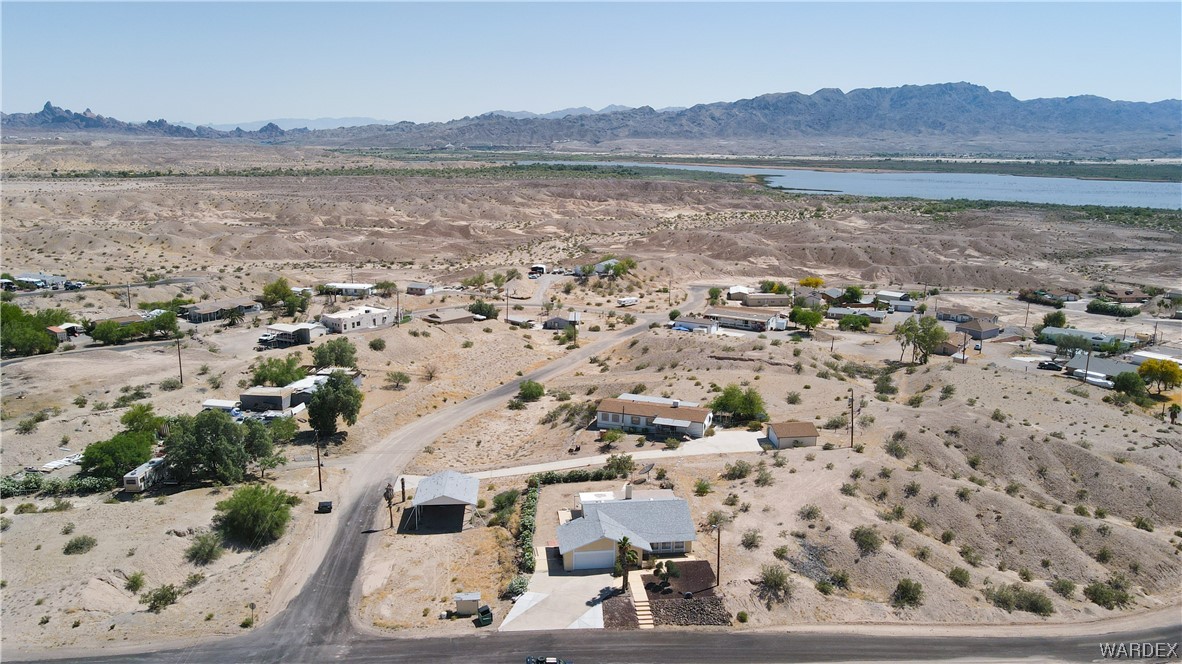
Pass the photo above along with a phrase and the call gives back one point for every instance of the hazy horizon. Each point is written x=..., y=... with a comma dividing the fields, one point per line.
x=226, y=63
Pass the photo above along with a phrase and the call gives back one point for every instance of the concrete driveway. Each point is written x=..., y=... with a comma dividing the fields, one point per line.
x=559, y=599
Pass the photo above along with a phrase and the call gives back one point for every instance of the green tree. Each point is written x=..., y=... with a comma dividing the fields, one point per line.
x=396, y=380
x=906, y=333
x=854, y=322
x=1130, y=383
x=234, y=316
x=110, y=333
x=283, y=429
x=254, y=515
x=336, y=398
x=674, y=315
x=24, y=333
x=386, y=288
x=117, y=456
x=625, y=558
x=1165, y=374
x=622, y=267
x=1068, y=344
x=742, y=405
x=339, y=352
x=530, y=391
x=1053, y=319
x=1175, y=410
x=275, y=292
x=257, y=440
x=278, y=371
x=852, y=294
x=715, y=294
x=141, y=418
x=208, y=446
x=930, y=335
x=907, y=593
x=808, y=319
x=486, y=309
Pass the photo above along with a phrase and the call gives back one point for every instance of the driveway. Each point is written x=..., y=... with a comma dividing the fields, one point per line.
x=559, y=599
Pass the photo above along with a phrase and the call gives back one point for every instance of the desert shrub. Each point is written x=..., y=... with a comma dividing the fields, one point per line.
x=896, y=448
x=193, y=579
x=737, y=470
x=25, y=508
x=751, y=539
x=780, y=552
x=970, y=555
x=702, y=487
x=907, y=593
x=80, y=544
x=135, y=582
x=5, y=523
x=255, y=515
x=170, y=384
x=997, y=415
x=1018, y=597
x=774, y=583
x=824, y=587
x=1103, y=555
x=716, y=518
x=1142, y=523
x=947, y=536
x=793, y=398
x=68, y=528
x=867, y=539
x=1109, y=594
x=206, y=548
x=959, y=576
x=517, y=586
x=160, y=598
x=915, y=400
x=809, y=512
x=530, y=391
x=764, y=477
x=742, y=616
x=1063, y=587
x=377, y=344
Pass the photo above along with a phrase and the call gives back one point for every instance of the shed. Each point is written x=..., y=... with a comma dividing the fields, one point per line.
x=450, y=316
x=467, y=604
x=261, y=398
x=446, y=489
x=792, y=434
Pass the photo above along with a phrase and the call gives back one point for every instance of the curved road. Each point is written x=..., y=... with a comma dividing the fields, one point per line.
x=317, y=625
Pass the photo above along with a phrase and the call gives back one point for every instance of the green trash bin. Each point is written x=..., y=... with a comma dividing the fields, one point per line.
x=484, y=616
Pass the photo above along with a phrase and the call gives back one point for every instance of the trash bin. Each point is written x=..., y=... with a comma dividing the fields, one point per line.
x=484, y=616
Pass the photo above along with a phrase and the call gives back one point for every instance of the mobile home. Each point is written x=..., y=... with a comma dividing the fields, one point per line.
x=144, y=476
x=627, y=301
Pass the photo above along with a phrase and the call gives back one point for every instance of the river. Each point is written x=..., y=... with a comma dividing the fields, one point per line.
x=945, y=186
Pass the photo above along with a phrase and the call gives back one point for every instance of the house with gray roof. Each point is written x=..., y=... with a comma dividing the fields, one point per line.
x=1098, y=339
x=1099, y=365
x=657, y=526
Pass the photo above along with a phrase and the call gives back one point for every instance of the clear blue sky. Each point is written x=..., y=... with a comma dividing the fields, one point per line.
x=232, y=62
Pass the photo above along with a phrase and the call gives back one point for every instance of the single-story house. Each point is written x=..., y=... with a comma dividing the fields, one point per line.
x=1059, y=294
x=260, y=398
x=294, y=334
x=1102, y=365
x=811, y=298
x=572, y=318
x=837, y=313
x=650, y=398
x=449, y=316
x=519, y=321
x=72, y=329
x=694, y=324
x=742, y=320
x=890, y=296
x=659, y=526
x=419, y=288
x=601, y=268
x=447, y=489
x=949, y=348
x=902, y=306
x=57, y=332
x=354, y=373
x=864, y=302
x=1128, y=295
x=767, y=300
x=832, y=295
x=204, y=312
x=50, y=280
x=792, y=434
x=357, y=318
x=647, y=417
x=121, y=321
x=738, y=293
x=979, y=329
x=1098, y=339
x=964, y=315
x=350, y=289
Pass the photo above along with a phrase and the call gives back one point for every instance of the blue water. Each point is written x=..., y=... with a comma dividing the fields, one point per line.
x=944, y=186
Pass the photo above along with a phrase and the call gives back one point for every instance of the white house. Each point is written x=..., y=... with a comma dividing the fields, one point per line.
x=357, y=318
x=666, y=417
x=419, y=288
x=351, y=290
x=694, y=324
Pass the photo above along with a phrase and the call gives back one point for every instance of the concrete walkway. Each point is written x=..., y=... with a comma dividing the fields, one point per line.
x=724, y=442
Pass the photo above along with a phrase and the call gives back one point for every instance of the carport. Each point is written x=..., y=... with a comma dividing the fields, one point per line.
x=446, y=491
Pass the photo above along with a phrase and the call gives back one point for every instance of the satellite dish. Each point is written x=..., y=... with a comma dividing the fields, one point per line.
x=647, y=469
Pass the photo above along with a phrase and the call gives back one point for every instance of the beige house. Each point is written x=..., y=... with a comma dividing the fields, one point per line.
x=653, y=415
x=357, y=318
x=792, y=434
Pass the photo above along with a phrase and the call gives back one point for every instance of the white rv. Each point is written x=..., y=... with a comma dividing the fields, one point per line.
x=627, y=301
x=144, y=476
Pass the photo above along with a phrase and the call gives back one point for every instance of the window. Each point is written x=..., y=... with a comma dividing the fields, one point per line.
x=637, y=421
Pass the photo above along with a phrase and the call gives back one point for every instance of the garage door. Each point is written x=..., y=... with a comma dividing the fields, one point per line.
x=594, y=559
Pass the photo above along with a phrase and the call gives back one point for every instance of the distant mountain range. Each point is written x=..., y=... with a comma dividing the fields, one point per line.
x=582, y=110
x=291, y=123
x=950, y=118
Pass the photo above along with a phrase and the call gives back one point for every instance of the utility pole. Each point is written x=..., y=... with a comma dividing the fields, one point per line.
x=129, y=295
x=851, y=418
x=397, y=306
x=1087, y=363
x=718, y=556
x=1027, y=321
x=319, y=479
x=179, y=368
x=404, y=489
x=964, y=348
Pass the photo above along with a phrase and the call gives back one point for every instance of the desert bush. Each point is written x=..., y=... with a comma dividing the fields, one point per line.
x=764, y=477
x=742, y=616
x=1109, y=594
x=170, y=384
x=1142, y=523
x=737, y=470
x=751, y=539
x=80, y=544
x=377, y=344
x=774, y=583
x=702, y=487
x=947, y=536
x=970, y=555
x=135, y=582
x=1018, y=597
x=160, y=598
x=959, y=576
x=518, y=586
x=255, y=515
x=206, y=548
x=809, y=512
x=907, y=593
x=867, y=539
x=780, y=552
x=1063, y=587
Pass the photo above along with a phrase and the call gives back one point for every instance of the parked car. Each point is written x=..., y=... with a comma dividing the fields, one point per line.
x=324, y=507
x=1050, y=366
x=977, y=347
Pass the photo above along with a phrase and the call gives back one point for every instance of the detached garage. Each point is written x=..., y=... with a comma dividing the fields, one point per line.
x=785, y=435
x=444, y=499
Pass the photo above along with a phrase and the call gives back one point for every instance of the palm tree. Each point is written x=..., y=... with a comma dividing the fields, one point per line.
x=1175, y=409
x=626, y=557
x=234, y=317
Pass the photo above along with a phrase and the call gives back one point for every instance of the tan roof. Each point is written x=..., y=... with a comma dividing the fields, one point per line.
x=645, y=409
x=794, y=429
x=977, y=325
